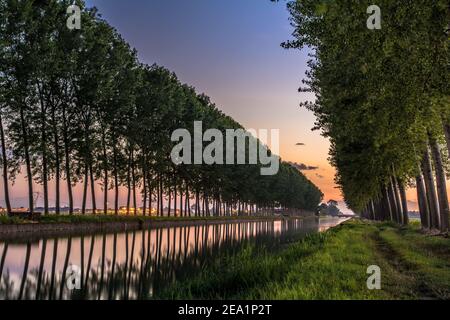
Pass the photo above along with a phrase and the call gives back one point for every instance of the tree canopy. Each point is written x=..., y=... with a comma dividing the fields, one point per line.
x=383, y=100
x=78, y=107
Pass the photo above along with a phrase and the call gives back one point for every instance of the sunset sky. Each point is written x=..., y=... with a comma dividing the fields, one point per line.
x=231, y=51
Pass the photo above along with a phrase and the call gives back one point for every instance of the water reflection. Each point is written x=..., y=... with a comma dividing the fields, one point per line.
x=133, y=264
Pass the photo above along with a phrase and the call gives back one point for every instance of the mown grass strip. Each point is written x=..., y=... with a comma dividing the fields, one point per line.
x=426, y=258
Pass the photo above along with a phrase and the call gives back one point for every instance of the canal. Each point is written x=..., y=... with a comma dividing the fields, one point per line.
x=134, y=264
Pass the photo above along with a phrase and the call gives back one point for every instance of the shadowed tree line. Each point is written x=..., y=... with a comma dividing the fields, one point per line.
x=77, y=107
x=383, y=100
x=154, y=259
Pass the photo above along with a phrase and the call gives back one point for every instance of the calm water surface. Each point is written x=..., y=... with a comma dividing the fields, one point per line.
x=134, y=264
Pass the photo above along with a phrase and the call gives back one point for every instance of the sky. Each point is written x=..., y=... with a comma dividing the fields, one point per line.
x=231, y=51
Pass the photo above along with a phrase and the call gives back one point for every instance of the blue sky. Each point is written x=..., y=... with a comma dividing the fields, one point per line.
x=227, y=49
x=231, y=51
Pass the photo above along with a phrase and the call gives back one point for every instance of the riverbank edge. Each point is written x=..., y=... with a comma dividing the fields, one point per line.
x=36, y=230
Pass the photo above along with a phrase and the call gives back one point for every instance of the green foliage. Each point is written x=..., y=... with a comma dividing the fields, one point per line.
x=11, y=220
x=79, y=107
x=380, y=94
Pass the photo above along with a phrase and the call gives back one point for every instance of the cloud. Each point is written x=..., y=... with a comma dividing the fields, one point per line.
x=300, y=144
x=302, y=166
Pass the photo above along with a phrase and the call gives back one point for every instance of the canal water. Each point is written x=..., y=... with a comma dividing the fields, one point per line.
x=134, y=264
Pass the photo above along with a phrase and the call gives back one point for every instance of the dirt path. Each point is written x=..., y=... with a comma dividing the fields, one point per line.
x=403, y=270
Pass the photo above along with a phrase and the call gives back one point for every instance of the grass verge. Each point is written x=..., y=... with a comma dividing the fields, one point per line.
x=119, y=218
x=331, y=265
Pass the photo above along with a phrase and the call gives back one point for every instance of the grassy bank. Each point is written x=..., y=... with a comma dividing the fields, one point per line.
x=119, y=218
x=331, y=266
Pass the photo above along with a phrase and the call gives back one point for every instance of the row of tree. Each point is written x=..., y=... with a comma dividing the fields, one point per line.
x=77, y=107
x=383, y=100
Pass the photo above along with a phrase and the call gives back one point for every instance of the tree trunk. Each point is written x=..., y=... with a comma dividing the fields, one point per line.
x=181, y=198
x=44, y=156
x=393, y=202
x=387, y=205
x=144, y=191
x=67, y=160
x=94, y=202
x=57, y=163
x=5, y=167
x=423, y=203
x=203, y=205
x=197, y=203
x=404, y=202
x=379, y=209
x=44, y=174
x=150, y=193
x=105, y=175
x=169, y=197
x=85, y=187
x=157, y=197
x=129, y=183
x=133, y=177
x=175, y=197
x=161, y=196
x=116, y=181
x=396, y=200
x=399, y=201
x=372, y=210
x=441, y=185
x=27, y=160
x=447, y=136
x=188, y=201
x=430, y=190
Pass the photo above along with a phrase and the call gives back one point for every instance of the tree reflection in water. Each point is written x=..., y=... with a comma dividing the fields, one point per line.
x=133, y=264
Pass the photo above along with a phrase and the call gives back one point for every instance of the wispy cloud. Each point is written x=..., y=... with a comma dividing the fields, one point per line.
x=303, y=167
x=300, y=144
